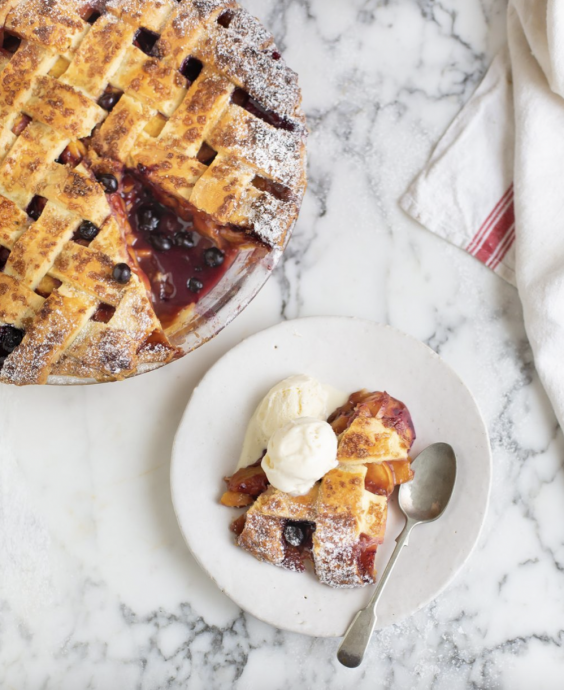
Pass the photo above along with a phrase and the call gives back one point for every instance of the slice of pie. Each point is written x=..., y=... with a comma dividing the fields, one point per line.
x=372, y=427
x=339, y=524
x=145, y=147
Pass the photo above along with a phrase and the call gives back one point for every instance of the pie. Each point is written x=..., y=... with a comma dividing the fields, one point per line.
x=145, y=146
x=339, y=524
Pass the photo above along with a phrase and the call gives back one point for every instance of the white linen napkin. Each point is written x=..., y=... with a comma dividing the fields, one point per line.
x=494, y=184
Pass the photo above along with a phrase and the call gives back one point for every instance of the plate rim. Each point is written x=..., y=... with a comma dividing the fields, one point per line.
x=384, y=326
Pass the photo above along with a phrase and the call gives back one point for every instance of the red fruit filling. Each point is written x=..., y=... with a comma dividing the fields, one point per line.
x=366, y=553
x=174, y=255
x=248, y=480
x=238, y=524
x=393, y=413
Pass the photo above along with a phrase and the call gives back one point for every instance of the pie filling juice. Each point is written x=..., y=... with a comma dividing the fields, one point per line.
x=181, y=263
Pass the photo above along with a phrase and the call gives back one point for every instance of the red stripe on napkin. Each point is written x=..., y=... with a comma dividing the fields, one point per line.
x=496, y=234
x=504, y=247
x=490, y=220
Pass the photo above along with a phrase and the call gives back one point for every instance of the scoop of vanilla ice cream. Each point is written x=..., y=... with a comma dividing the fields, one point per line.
x=299, y=454
x=296, y=396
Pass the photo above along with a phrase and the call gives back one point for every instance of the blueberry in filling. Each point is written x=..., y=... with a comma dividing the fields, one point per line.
x=147, y=218
x=10, y=338
x=108, y=100
x=121, y=273
x=87, y=231
x=213, y=257
x=293, y=534
x=108, y=182
x=177, y=257
x=161, y=242
x=195, y=285
x=186, y=240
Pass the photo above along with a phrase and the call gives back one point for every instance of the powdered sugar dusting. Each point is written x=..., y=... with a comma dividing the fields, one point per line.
x=250, y=29
x=53, y=24
x=235, y=46
x=56, y=325
x=208, y=7
x=271, y=82
x=339, y=514
x=270, y=218
x=336, y=551
x=275, y=152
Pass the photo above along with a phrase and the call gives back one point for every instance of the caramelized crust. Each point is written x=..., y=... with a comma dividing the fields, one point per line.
x=150, y=81
x=345, y=518
x=99, y=55
x=347, y=509
x=150, y=14
x=13, y=222
x=75, y=190
x=63, y=108
x=34, y=253
x=55, y=326
x=220, y=189
x=17, y=79
x=173, y=173
x=29, y=161
x=121, y=129
x=176, y=108
x=345, y=512
x=55, y=25
x=195, y=118
x=18, y=304
x=372, y=427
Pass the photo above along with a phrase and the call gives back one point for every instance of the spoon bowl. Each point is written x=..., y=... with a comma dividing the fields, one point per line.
x=421, y=500
x=425, y=498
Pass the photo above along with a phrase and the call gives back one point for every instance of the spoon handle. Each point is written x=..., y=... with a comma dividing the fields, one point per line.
x=356, y=639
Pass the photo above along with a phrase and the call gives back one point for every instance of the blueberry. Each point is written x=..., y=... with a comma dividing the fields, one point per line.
x=195, y=285
x=147, y=218
x=10, y=338
x=294, y=535
x=191, y=68
x=121, y=273
x=87, y=230
x=213, y=257
x=108, y=100
x=160, y=242
x=108, y=182
x=4, y=255
x=145, y=40
x=185, y=240
x=36, y=206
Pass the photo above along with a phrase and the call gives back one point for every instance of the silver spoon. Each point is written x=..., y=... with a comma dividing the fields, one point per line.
x=423, y=499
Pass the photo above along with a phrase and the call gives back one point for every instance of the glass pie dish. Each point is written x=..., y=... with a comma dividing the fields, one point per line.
x=239, y=285
x=152, y=167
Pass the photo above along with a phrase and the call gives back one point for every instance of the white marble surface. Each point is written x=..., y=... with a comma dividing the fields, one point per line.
x=97, y=589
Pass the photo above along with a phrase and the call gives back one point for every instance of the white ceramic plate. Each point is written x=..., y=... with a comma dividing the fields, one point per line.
x=348, y=354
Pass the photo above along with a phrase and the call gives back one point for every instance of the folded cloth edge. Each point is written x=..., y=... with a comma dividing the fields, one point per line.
x=471, y=204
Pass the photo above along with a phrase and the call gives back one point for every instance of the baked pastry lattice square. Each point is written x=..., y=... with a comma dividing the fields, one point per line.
x=181, y=78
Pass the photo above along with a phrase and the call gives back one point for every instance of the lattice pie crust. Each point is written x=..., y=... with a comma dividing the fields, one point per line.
x=341, y=510
x=69, y=54
x=345, y=513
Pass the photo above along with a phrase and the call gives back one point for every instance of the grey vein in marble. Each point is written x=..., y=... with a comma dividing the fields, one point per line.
x=97, y=589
